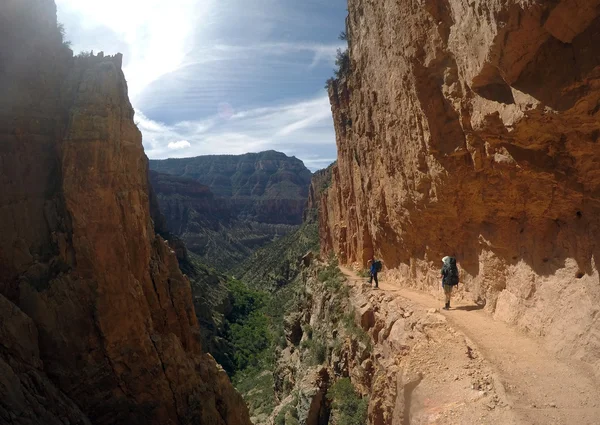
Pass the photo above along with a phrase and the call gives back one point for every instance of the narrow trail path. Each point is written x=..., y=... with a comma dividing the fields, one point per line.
x=541, y=389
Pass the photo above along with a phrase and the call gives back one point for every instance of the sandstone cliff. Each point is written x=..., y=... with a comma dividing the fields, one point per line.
x=320, y=182
x=471, y=128
x=98, y=324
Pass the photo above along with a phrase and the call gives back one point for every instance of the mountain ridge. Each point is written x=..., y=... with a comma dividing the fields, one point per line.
x=259, y=198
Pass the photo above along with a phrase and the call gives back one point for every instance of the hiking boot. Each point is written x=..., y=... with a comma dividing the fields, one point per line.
x=447, y=306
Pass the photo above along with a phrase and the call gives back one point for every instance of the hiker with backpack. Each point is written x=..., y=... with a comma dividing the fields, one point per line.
x=449, y=278
x=375, y=268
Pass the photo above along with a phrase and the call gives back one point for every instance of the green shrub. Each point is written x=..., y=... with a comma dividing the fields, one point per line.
x=248, y=327
x=330, y=272
x=364, y=273
x=61, y=30
x=85, y=54
x=244, y=300
x=307, y=330
x=320, y=353
x=317, y=351
x=342, y=61
x=280, y=418
x=250, y=338
x=287, y=416
x=257, y=387
x=348, y=406
x=353, y=329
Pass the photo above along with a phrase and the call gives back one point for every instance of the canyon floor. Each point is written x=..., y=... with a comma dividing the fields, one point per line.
x=484, y=371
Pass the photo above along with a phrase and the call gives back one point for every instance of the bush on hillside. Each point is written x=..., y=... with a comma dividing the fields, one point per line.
x=84, y=54
x=342, y=70
x=61, y=30
x=287, y=416
x=248, y=326
x=349, y=408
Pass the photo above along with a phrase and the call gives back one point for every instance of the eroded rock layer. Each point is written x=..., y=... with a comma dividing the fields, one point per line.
x=471, y=128
x=208, y=224
x=266, y=187
x=97, y=321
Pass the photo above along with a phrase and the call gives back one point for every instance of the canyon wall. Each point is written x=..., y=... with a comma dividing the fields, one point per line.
x=210, y=227
x=471, y=128
x=225, y=207
x=98, y=324
x=265, y=187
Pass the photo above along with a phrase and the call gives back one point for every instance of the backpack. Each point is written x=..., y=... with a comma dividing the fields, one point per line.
x=378, y=266
x=452, y=276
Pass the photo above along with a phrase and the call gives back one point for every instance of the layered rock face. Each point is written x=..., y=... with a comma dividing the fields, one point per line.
x=98, y=324
x=268, y=187
x=226, y=207
x=187, y=205
x=279, y=263
x=471, y=129
x=320, y=182
x=207, y=224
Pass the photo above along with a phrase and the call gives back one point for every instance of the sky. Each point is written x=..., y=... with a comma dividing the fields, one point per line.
x=220, y=76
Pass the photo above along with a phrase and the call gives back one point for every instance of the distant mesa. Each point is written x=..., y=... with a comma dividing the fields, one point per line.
x=267, y=187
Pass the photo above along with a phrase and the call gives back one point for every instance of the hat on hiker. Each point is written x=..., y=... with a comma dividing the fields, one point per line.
x=446, y=260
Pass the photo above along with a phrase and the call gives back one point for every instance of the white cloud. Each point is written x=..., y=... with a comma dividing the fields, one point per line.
x=302, y=129
x=182, y=144
x=192, y=63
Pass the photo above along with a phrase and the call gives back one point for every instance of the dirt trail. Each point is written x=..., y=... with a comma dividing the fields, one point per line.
x=540, y=388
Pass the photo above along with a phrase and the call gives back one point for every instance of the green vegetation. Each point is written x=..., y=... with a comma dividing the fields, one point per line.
x=63, y=33
x=347, y=405
x=317, y=350
x=278, y=264
x=248, y=326
x=364, y=273
x=288, y=415
x=258, y=390
x=333, y=279
x=349, y=322
x=342, y=62
x=84, y=54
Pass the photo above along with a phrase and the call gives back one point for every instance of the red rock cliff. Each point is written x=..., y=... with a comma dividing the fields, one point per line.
x=97, y=323
x=471, y=128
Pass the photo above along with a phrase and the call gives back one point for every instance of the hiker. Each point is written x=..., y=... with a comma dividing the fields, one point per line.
x=449, y=278
x=375, y=268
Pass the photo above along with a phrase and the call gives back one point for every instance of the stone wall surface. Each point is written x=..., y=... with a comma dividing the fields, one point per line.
x=98, y=324
x=471, y=128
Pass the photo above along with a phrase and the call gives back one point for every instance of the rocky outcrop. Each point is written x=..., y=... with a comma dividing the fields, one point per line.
x=186, y=205
x=471, y=129
x=320, y=182
x=98, y=324
x=266, y=187
x=409, y=364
